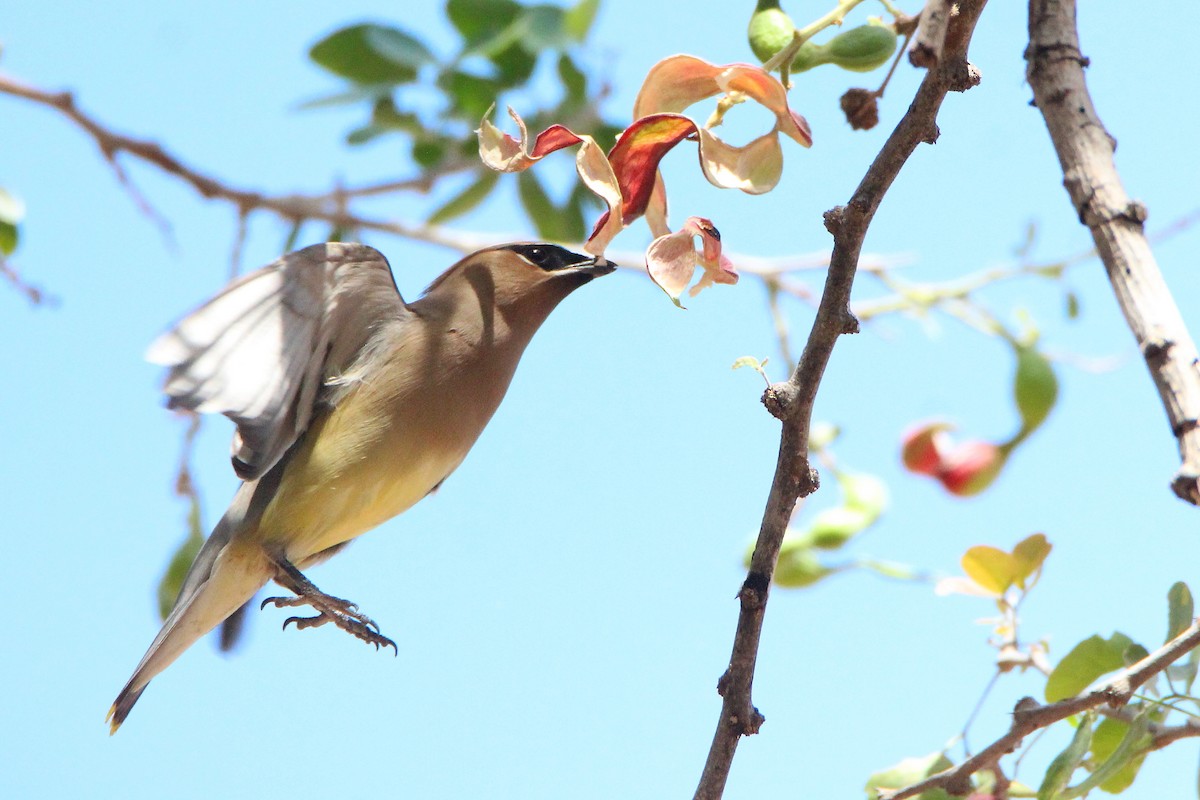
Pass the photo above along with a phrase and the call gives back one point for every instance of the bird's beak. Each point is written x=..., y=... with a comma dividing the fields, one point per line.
x=595, y=267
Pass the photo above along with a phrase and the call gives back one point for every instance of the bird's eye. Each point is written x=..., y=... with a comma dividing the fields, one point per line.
x=537, y=255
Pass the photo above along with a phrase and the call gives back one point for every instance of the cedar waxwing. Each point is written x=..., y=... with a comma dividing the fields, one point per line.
x=350, y=405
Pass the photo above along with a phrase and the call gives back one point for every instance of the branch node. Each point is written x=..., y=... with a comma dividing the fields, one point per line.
x=778, y=398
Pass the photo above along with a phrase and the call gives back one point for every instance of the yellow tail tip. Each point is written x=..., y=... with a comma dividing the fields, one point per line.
x=112, y=723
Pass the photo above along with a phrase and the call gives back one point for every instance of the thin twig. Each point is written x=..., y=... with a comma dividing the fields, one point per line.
x=1085, y=151
x=1029, y=716
x=35, y=295
x=328, y=207
x=792, y=402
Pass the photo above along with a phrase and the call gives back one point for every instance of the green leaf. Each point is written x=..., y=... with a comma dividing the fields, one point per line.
x=1133, y=654
x=1035, y=388
x=181, y=562
x=798, y=567
x=429, y=151
x=467, y=199
x=1180, y=609
x=1059, y=773
x=747, y=361
x=471, y=95
x=480, y=20
x=543, y=29
x=1089, y=659
x=514, y=65
x=10, y=235
x=579, y=18
x=865, y=493
x=371, y=54
x=553, y=224
x=573, y=80
x=822, y=435
x=1030, y=553
x=833, y=527
x=1072, y=305
x=990, y=567
x=1118, y=749
x=908, y=772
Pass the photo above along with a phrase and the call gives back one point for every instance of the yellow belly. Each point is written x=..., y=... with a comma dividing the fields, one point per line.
x=358, y=467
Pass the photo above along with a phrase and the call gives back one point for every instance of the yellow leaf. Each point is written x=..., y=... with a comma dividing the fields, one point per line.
x=990, y=567
x=1029, y=555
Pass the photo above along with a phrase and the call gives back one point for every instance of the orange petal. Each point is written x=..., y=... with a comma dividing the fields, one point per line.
x=675, y=83
x=754, y=168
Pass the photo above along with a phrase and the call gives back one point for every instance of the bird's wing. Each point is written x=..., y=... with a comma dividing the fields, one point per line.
x=262, y=350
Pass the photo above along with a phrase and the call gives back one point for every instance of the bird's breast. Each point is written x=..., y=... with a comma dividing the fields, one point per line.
x=385, y=446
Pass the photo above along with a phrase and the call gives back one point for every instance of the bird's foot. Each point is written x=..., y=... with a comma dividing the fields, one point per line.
x=341, y=613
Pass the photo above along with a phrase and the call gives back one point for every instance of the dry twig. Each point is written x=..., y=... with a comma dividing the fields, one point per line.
x=792, y=402
x=1085, y=150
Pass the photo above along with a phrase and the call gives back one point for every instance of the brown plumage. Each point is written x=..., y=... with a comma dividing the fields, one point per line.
x=350, y=405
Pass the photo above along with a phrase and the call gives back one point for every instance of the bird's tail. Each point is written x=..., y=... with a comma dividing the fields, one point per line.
x=225, y=574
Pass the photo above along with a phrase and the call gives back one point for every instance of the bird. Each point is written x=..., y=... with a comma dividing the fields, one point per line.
x=350, y=406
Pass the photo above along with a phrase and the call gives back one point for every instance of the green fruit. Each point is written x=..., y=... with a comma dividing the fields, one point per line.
x=808, y=56
x=862, y=49
x=770, y=29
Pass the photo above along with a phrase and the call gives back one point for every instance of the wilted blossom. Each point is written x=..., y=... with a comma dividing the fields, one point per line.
x=627, y=177
x=964, y=469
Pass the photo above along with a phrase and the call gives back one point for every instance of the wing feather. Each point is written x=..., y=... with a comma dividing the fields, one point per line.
x=262, y=351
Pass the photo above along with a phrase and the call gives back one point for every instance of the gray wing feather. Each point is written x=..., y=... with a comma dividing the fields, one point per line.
x=262, y=351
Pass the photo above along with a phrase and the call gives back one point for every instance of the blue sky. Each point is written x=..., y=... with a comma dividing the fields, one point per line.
x=565, y=604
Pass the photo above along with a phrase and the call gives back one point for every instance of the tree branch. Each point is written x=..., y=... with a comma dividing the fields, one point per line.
x=1085, y=151
x=1029, y=716
x=328, y=207
x=792, y=402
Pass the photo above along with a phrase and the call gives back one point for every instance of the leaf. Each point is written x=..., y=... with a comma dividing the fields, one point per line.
x=1118, y=748
x=514, y=65
x=833, y=527
x=864, y=492
x=1059, y=773
x=543, y=29
x=990, y=567
x=546, y=217
x=181, y=562
x=1035, y=388
x=799, y=567
x=479, y=20
x=747, y=361
x=371, y=54
x=908, y=772
x=1030, y=553
x=1072, y=308
x=429, y=151
x=573, y=80
x=1086, y=662
x=465, y=200
x=471, y=95
x=10, y=235
x=579, y=18
x=1180, y=609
